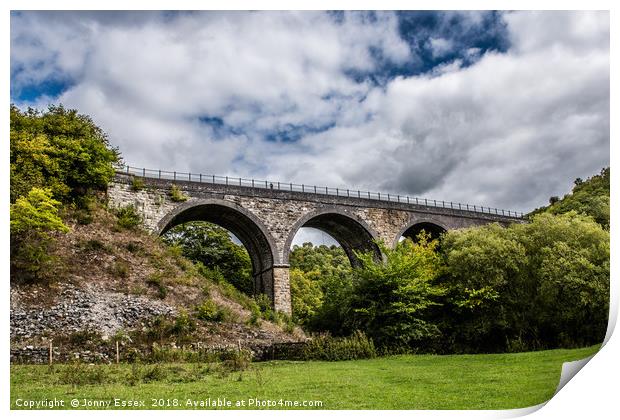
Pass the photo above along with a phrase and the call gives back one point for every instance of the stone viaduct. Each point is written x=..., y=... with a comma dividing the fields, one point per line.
x=265, y=216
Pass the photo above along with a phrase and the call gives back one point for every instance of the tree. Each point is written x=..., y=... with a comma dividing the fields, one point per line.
x=391, y=298
x=485, y=300
x=58, y=149
x=306, y=295
x=212, y=246
x=328, y=270
x=34, y=219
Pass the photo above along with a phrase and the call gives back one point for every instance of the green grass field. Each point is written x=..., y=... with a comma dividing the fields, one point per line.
x=497, y=381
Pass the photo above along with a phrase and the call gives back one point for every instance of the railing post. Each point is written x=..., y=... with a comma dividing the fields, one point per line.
x=337, y=193
x=426, y=202
x=291, y=185
x=359, y=194
x=315, y=189
x=200, y=178
x=175, y=175
x=303, y=189
x=240, y=179
x=127, y=169
x=189, y=176
x=368, y=195
x=159, y=174
x=214, y=179
x=326, y=191
x=347, y=192
x=252, y=182
x=407, y=199
x=379, y=194
x=226, y=179
x=278, y=185
x=265, y=184
x=416, y=200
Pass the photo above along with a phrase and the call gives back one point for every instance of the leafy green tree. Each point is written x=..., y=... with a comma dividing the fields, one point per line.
x=327, y=269
x=36, y=213
x=58, y=149
x=306, y=294
x=34, y=219
x=391, y=298
x=212, y=246
x=485, y=297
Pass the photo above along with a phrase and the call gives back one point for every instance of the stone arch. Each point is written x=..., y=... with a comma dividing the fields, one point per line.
x=429, y=224
x=243, y=224
x=351, y=232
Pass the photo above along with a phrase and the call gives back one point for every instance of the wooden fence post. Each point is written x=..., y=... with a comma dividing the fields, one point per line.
x=51, y=358
x=117, y=353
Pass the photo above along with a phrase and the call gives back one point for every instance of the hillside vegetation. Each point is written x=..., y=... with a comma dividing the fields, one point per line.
x=589, y=197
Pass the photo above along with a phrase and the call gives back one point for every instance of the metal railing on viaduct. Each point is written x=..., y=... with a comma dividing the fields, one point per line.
x=311, y=189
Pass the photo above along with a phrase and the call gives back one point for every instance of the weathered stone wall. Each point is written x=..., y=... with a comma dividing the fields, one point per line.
x=279, y=214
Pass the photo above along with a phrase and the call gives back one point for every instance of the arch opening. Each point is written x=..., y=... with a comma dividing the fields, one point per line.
x=434, y=230
x=350, y=233
x=243, y=226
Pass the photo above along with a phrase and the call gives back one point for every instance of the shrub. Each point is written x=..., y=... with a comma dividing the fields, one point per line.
x=391, y=299
x=156, y=279
x=137, y=184
x=34, y=221
x=79, y=374
x=326, y=347
x=134, y=247
x=128, y=217
x=176, y=194
x=94, y=245
x=120, y=269
x=208, y=311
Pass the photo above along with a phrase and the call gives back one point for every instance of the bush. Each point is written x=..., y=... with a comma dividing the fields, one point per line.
x=94, y=245
x=128, y=217
x=120, y=269
x=157, y=280
x=137, y=184
x=209, y=311
x=391, y=299
x=34, y=222
x=176, y=194
x=79, y=374
x=326, y=347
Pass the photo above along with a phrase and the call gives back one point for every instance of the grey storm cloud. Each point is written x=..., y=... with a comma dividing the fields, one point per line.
x=509, y=130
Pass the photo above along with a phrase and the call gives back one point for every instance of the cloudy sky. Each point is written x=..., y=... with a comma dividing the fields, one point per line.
x=488, y=108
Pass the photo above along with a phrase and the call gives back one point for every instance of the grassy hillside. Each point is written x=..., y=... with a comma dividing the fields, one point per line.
x=484, y=381
x=589, y=197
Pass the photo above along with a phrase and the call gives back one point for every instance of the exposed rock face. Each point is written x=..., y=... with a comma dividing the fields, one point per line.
x=76, y=309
